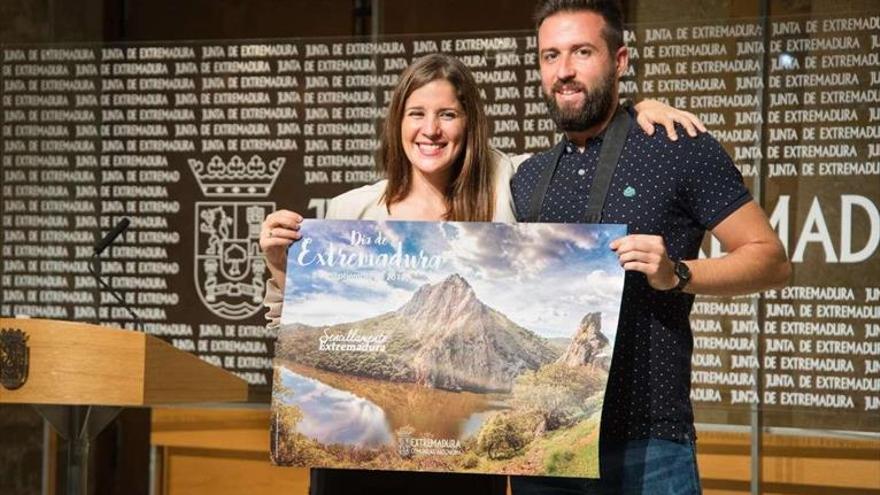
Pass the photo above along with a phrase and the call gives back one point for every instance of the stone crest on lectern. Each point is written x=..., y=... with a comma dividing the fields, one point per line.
x=14, y=358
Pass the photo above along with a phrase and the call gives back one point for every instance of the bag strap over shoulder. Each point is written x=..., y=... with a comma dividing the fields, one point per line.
x=609, y=155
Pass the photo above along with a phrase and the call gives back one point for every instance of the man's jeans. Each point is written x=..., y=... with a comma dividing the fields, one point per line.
x=650, y=467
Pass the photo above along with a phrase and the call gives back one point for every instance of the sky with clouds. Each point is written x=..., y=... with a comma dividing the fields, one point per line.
x=544, y=277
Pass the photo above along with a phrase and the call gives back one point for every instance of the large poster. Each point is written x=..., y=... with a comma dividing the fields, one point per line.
x=445, y=346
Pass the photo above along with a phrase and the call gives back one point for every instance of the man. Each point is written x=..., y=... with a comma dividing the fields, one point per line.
x=668, y=193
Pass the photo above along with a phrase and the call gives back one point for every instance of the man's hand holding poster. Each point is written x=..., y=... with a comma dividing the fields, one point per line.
x=445, y=346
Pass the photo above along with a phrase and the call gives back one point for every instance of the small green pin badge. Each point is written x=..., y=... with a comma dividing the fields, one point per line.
x=629, y=192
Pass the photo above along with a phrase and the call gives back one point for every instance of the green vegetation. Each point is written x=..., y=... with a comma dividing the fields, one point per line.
x=575, y=449
x=557, y=460
x=503, y=436
x=553, y=425
x=558, y=393
x=469, y=461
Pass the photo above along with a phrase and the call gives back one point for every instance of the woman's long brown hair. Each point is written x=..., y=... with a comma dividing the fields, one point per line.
x=470, y=195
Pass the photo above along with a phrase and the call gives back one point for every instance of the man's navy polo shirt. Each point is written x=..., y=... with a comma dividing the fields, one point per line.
x=676, y=189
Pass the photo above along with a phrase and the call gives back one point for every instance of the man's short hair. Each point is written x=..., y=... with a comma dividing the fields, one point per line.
x=610, y=10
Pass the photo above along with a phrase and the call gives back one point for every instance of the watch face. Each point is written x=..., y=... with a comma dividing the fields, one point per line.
x=683, y=273
x=682, y=270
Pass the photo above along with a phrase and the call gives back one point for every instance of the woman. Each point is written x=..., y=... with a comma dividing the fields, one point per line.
x=438, y=165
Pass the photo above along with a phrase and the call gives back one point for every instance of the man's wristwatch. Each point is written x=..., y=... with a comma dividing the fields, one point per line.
x=683, y=273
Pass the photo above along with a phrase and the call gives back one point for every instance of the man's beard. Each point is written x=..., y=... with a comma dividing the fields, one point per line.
x=594, y=110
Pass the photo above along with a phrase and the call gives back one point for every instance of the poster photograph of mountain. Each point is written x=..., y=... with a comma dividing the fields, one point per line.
x=446, y=346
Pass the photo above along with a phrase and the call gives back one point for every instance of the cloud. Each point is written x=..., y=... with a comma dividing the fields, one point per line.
x=336, y=416
x=543, y=276
x=529, y=249
x=389, y=232
x=556, y=306
x=330, y=309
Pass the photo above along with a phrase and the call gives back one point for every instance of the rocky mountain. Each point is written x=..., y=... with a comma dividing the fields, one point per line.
x=465, y=344
x=588, y=347
x=447, y=301
x=443, y=337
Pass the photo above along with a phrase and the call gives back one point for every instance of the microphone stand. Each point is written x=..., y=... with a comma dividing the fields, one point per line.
x=95, y=270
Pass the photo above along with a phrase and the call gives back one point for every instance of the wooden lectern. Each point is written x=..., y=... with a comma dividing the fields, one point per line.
x=80, y=376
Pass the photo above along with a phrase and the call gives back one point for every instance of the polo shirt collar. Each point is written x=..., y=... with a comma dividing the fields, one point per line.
x=571, y=148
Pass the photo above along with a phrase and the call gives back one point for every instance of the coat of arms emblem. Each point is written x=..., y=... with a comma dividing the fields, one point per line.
x=229, y=269
x=14, y=358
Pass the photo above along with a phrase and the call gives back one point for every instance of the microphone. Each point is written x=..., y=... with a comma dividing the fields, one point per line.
x=111, y=236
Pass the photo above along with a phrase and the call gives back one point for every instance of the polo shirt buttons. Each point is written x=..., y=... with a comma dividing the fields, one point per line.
x=582, y=172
